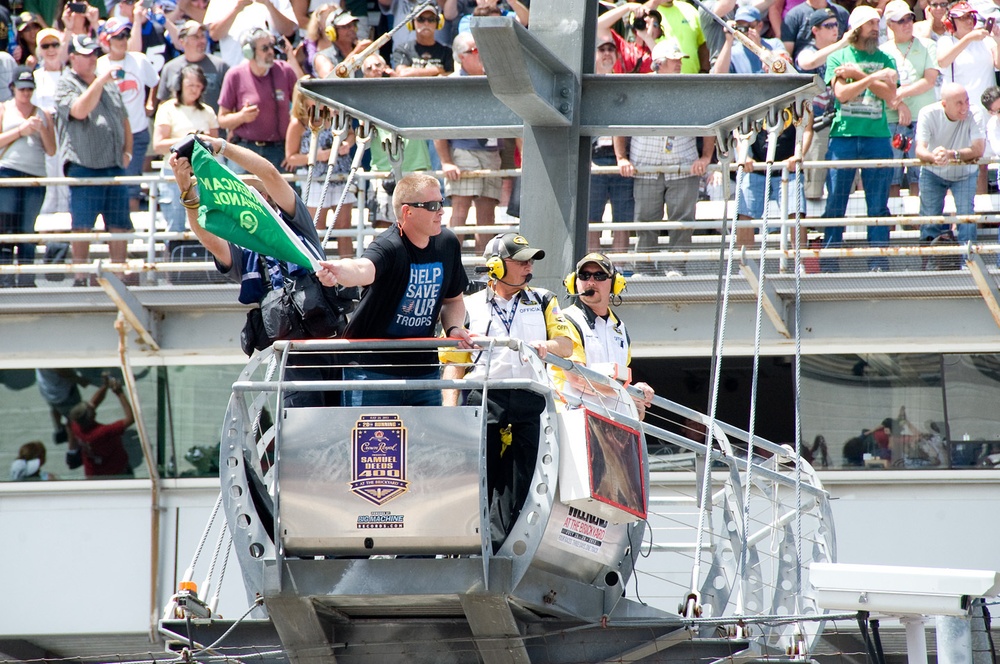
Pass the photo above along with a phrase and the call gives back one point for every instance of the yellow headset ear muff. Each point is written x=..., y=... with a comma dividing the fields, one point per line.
x=331, y=33
x=495, y=268
x=570, y=283
x=618, y=283
x=410, y=25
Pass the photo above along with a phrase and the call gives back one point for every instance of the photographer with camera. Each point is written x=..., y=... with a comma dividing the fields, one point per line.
x=99, y=447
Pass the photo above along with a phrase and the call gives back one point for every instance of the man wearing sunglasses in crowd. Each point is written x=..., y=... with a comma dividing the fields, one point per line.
x=599, y=333
x=412, y=274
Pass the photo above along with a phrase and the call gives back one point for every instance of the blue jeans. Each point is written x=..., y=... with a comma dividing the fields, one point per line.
x=389, y=397
x=614, y=188
x=85, y=203
x=933, y=188
x=838, y=186
x=19, y=208
x=140, y=143
x=274, y=153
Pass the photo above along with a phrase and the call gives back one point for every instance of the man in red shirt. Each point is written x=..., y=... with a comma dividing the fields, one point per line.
x=98, y=447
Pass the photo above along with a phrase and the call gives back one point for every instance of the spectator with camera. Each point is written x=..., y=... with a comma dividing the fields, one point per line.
x=916, y=62
x=949, y=137
x=969, y=55
x=630, y=57
x=136, y=80
x=255, y=100
x=230, y=21
x=96, y=138
x=99, y=447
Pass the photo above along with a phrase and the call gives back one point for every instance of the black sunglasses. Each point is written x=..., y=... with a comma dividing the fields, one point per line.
x=430, y=206
x=596, y=276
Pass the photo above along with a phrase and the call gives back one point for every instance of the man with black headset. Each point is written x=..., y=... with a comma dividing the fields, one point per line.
x=508, y=307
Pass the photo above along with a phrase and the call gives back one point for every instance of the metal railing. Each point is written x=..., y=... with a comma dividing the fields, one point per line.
x=149, y=241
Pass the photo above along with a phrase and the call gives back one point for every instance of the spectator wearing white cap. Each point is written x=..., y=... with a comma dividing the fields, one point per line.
x=916, y=62
x=680, y=21
x=342, y=30
x=864, y=80
x=678, y=191
x=193, y=37
x=796, y=29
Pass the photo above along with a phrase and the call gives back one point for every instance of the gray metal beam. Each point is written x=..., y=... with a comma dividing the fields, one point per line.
x=684, y=104
x=987, y=285
x=773, y=305
x=139, y=318
x=497, y=634
x=611, y=105
x=300, y=630
x=524, y=74
x=431, y=107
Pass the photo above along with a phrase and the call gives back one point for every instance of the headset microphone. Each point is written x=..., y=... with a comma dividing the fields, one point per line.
x=527, y=278
x=588, y=293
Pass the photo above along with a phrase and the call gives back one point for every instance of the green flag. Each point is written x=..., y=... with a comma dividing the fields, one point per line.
x=236, y=212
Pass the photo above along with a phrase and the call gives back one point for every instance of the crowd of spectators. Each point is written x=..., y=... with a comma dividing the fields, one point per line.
x=141, y=73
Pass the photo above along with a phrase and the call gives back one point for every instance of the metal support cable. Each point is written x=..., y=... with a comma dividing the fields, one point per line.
x=362, y=137
x=720, y=335
x=773, y=130
x=340, y=126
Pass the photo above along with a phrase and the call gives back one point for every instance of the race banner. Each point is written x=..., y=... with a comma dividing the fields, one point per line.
x=238, y=213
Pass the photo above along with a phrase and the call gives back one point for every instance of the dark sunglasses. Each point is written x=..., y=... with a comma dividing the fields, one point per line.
x=830, y=26
x=427, y=19
x=49, y=45
x=587, y=276
x=430, y=206
x=937, y=5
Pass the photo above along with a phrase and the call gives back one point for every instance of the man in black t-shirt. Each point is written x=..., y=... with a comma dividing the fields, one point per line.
x=423, y=56
x=412, y=274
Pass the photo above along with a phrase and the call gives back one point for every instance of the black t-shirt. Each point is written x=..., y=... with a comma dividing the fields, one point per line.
x=404, y=300
x=412, y=54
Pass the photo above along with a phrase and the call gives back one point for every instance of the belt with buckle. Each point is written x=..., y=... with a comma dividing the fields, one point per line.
x=263, y=144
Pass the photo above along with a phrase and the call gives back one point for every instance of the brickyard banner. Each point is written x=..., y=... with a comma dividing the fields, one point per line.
x=238, y=213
